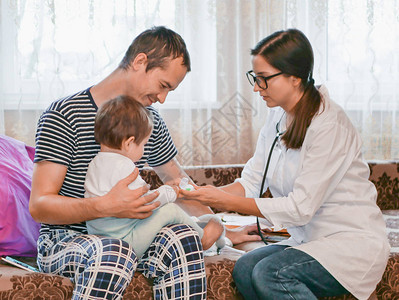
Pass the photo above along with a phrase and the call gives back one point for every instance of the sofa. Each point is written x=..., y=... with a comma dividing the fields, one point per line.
x=16, y=283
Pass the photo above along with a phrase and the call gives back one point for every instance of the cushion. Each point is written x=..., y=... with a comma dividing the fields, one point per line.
x=18, y=231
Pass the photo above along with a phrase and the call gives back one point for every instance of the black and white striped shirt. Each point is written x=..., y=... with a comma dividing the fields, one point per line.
x=65, y=135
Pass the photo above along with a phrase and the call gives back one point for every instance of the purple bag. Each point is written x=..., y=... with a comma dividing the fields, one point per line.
x=18, y=231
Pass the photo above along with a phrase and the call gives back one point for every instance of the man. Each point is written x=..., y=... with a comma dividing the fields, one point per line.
x=155, y=64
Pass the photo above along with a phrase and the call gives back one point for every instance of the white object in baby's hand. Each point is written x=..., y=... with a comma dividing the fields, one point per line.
x=184, y=185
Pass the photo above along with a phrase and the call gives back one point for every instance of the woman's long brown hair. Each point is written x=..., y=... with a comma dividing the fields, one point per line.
x=290, y=52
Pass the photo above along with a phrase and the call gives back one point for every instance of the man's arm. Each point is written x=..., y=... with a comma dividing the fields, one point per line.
x=170, y=172
x=46, y=206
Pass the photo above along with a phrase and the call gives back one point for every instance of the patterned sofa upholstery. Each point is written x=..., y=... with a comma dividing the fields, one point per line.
x=19, y=284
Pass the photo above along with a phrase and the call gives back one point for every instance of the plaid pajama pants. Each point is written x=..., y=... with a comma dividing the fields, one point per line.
x=103, y=267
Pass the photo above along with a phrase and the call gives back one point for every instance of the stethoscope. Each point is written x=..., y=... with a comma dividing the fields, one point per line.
x=278, y=134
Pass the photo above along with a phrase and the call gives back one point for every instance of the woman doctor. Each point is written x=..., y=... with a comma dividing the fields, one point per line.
x=319, y=182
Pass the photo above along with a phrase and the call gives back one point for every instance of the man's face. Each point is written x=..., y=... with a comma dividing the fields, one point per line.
x=153, y=86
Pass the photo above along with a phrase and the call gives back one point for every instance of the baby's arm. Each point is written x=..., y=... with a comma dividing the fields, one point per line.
x=167, y=194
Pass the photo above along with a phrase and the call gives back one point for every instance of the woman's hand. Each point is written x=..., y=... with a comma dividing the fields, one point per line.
x=223, y=200
x=208, y=195
x=248, y=233
x=176, y=183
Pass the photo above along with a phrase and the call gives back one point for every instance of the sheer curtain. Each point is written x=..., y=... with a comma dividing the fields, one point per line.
x=49, y=49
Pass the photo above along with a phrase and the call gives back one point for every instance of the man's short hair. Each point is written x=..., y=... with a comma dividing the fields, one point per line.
x=160, y=44
x=120, y=118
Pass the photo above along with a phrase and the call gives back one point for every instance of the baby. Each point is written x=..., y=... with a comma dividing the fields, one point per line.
x=122, y=128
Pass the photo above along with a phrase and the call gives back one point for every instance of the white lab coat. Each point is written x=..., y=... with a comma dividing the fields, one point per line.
x=322, y=195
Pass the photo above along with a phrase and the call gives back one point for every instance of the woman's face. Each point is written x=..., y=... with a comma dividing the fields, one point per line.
x=283, y=90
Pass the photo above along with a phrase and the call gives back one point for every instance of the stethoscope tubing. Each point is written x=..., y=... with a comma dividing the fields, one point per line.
x=278, y=134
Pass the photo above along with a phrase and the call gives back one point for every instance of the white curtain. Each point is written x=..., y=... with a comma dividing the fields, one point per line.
x=52, y=48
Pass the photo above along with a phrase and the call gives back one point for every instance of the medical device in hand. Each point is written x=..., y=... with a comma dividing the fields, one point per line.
x=184, y=185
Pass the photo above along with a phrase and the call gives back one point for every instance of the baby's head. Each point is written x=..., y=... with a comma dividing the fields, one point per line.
x=123, y=124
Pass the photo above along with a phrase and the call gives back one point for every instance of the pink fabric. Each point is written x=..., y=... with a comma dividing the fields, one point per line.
x=18, y=231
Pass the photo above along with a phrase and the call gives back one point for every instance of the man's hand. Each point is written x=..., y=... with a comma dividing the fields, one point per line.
x=122, y=202
x=46, y=206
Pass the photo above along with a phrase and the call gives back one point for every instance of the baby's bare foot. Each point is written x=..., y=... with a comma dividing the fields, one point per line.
x=212, y=232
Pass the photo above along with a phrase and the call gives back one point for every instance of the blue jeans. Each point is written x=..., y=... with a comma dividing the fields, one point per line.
x=281, y=272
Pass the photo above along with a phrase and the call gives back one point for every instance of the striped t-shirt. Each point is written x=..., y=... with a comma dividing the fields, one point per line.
x=65, y=135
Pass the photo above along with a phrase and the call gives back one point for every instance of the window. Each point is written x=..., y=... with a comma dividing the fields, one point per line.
x=51, y=49
x=54, y=48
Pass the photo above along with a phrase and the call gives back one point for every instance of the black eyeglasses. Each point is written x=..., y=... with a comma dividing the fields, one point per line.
x=261, y=81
